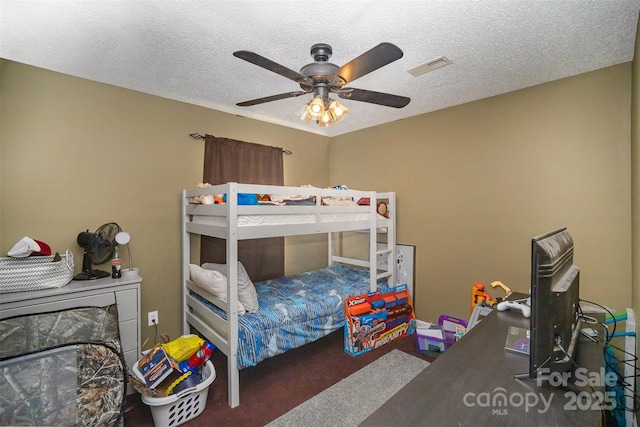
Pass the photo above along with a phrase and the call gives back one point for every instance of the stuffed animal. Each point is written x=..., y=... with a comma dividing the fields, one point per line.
x=206, y=199
x=382, y=209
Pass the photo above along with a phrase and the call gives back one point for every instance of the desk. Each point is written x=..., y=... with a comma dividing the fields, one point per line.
x=463, y=386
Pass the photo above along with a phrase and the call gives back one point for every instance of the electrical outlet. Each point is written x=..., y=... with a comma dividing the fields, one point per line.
x=153, y=318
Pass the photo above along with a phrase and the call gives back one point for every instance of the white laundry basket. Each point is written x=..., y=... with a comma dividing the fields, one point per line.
x=185, y=405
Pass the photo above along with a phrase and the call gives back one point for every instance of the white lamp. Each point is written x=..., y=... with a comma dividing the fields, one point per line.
x=123, y=238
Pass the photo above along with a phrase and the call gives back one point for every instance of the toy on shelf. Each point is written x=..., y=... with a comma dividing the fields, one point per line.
x=480, y=296
x=504, y=287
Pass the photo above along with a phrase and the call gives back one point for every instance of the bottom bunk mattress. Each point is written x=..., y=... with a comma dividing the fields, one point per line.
x=296, y=310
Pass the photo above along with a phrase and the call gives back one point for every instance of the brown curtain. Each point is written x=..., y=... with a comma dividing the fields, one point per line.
x=228, y=160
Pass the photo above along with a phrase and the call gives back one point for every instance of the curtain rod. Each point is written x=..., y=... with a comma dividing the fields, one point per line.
x=198, y=136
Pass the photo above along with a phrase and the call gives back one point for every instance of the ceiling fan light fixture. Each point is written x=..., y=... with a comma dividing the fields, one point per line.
x=324, y=111
x=316, y=107
x=326, y=117
x=302, y=114
x=338, y=110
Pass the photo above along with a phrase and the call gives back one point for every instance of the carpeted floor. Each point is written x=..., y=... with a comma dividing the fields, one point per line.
x=276, y=385
x=353, y=399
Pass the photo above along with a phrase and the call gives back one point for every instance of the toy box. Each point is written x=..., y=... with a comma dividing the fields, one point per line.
x=430, y=338
x=438, y=338
x=377, y=318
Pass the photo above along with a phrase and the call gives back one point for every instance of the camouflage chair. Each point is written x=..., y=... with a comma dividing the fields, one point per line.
x=62, y=368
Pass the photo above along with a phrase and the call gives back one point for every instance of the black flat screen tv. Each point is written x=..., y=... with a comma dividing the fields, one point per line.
x=555, y=311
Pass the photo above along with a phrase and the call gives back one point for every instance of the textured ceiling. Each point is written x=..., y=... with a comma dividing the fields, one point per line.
x=182, y=50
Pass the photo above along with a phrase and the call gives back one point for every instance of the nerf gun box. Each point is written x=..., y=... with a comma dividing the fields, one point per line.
x=377, y=318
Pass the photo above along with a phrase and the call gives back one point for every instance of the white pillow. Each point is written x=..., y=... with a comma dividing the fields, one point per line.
x=213, y=282
x=246, y=291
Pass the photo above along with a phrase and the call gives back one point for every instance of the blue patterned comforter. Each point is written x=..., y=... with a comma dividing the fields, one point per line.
x=296, y=310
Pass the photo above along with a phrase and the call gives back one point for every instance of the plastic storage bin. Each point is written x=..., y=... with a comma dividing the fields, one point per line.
x=430, y=344
x=425, y=343
x=184, y=406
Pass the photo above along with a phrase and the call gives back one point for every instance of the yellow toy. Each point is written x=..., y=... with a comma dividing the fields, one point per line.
x=479, y=295
x=506, y=289
x=183, y=347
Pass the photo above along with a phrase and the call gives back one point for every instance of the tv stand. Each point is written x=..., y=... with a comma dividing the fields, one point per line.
x=472, y=383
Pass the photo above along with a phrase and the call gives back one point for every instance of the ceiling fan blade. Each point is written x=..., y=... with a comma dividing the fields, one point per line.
x=271, y=98
x=268, y=64
x=371, y=60
x=379, y=98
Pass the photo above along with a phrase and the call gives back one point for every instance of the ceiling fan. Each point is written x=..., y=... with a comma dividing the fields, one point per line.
x=322, y=78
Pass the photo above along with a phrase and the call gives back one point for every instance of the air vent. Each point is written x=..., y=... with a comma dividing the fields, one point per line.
x=430, y=66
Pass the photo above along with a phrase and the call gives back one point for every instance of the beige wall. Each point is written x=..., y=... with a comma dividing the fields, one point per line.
x=477, y=181
x=77, y=154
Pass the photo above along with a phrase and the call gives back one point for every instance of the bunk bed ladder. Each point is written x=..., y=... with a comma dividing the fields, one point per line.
x=374, y=253
x=390, y=249
x=373, y=243
x=389, y=263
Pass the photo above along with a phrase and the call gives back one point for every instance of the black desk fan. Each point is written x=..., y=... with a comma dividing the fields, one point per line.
x=99, y=247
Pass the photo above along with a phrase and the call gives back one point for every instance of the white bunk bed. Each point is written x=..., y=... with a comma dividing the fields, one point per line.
x=233, y=222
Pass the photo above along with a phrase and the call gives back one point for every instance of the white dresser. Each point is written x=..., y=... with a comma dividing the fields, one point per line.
x=101, y=292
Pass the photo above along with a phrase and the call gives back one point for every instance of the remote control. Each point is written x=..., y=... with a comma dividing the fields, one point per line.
x=507, y=305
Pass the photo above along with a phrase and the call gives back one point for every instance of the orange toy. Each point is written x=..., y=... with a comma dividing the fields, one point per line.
x=479, y=295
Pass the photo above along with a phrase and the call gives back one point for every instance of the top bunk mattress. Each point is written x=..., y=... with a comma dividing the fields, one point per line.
x=282, y=219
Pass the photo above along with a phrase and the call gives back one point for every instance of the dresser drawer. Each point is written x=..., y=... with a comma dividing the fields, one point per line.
x=100, y=300
x=127, y=304
x=131, y=358
x=129, y=335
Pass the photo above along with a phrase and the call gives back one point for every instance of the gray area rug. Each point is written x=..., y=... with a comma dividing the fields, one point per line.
x=352, y=400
